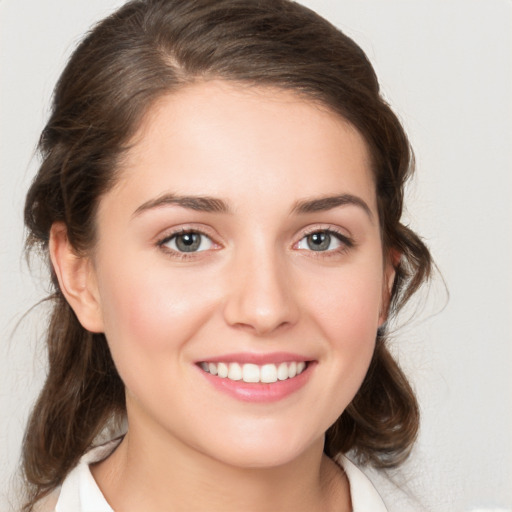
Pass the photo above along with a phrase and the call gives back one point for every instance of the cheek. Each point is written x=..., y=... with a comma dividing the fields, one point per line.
x=150, y=319
x=349, y=306
x=148, y=313
x=347, y=311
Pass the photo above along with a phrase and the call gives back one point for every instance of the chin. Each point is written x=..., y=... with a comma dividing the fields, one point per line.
x=260, y=451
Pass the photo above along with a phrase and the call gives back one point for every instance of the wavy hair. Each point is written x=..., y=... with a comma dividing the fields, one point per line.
x=149, y=48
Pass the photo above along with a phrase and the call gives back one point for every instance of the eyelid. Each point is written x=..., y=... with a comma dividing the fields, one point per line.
x=173, y=240
x=170, y=233
x=187, y=228
x=327, y=228
x=345, y=239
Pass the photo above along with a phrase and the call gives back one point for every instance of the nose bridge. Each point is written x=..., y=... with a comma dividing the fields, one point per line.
x=260, y=295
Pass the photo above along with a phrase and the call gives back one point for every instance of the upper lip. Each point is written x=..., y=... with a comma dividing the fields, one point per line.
x=259, y=359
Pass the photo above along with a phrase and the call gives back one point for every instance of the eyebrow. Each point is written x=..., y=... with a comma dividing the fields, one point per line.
x=216, y=205
x=330, y=202
x=198, y=203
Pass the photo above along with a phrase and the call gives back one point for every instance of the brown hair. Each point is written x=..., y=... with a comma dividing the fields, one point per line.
x=153, y=47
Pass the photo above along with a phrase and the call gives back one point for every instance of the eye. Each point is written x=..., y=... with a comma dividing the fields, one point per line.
x=325, y=240
x=187, y=241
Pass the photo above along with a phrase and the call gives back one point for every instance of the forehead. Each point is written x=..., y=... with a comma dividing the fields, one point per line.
x=222, y=139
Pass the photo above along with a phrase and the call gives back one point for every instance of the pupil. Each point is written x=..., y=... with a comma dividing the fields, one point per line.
x=188, y=242
x=319, y=241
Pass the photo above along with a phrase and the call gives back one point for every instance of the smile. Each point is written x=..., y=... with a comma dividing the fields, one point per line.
x=253, y=373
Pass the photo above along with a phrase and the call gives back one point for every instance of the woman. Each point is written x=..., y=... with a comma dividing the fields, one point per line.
x=220, y=198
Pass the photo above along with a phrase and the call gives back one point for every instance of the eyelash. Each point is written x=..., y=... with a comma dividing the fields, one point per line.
x=347, y=243
x=178, y=254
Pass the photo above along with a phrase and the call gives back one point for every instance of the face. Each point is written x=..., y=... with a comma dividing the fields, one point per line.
x=242, y=239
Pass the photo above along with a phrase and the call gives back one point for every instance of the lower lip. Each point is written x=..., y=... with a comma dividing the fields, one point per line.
x=259, y=391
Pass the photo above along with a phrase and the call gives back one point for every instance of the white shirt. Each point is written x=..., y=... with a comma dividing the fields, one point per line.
x=80, y=493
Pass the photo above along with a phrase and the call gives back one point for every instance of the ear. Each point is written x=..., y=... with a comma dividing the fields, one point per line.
x=77, y=279
x=391, y=263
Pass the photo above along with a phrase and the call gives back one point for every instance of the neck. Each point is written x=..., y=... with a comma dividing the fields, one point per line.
x=157, y=474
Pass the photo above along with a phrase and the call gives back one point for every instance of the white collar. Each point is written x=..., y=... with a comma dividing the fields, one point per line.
x=365, y=497
x=80, y=492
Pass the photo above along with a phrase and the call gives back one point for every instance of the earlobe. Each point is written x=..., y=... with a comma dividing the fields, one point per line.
x=76, y=278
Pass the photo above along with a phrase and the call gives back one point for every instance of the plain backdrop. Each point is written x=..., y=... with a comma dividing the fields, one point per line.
x=446, y=68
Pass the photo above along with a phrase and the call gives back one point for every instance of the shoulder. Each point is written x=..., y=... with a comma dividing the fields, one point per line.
x=362, y=492
x=79, y=491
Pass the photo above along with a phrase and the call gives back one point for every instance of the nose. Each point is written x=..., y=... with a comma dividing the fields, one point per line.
x=261, y=297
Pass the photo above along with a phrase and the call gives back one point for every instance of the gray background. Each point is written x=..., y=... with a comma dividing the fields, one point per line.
x=446, y=68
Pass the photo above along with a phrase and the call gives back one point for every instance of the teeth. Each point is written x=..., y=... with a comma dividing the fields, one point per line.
x=222, y=370
x=282, y=371
x=253, y=373
x=235, y=372
x=250, y=373
x=268, y=373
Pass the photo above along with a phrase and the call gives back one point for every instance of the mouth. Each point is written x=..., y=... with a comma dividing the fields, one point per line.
x=260, y=378
x=254, y=373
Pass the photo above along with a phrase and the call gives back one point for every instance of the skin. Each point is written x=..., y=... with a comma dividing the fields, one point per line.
x=254, y=287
